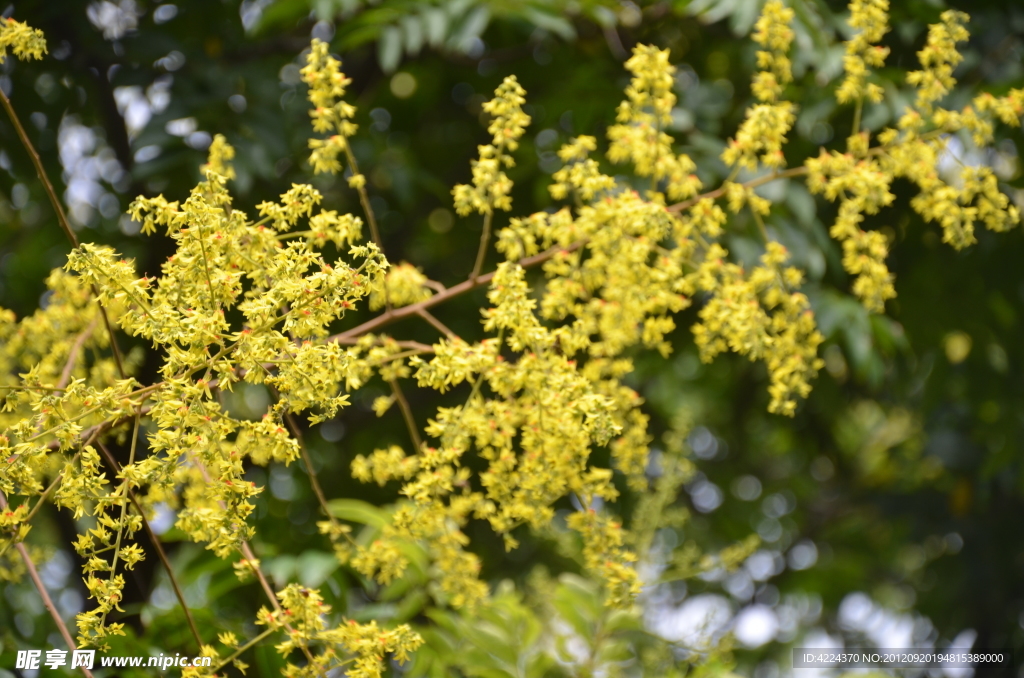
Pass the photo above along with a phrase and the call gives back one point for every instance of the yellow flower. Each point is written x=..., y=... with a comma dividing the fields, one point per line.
x=491, y=186
x=26, y=42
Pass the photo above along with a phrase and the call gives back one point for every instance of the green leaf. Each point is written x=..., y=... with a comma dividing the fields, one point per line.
x=472, y=27
x=389, y=49
x=558, y=25
x=358, y=511
x=314, y=567
x=435, y=23
x=412, y=29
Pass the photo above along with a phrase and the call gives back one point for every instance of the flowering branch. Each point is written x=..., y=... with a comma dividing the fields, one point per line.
x=47, y=601
x=155, y=540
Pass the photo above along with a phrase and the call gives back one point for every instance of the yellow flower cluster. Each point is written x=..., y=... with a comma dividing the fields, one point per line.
x=257, y=301
x=603, y=552
x=221, y=153
x=1008, y=110
x=491, y=186
x=863, y=188
x=14, y=527
x=638, y=137
x=760, y=317
x=331, y=113
x=766, y=125
x=406, y=285
x=360, y=648
x=26, y=42
x=938, y=58
x=773, y=33
x=45, y=348
x=870, y=18
x=953, y=210
x=84, y=490
x=196, y=449
x=912, y=151
x=384, y=465
x=581, y=173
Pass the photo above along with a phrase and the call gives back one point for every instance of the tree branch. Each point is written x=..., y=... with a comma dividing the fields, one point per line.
x=753, y=183
x=438, y=325
x=410, y=422
x=62, y=218
x=34, y=575
x=464, y=286
x=308, y=461
x=115, y=467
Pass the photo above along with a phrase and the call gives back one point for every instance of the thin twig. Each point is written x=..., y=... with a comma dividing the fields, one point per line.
x=57, y=479
x=410, y=423
x=38, y=163
x=124, y=510
x=435, y=285
x=485, y=238
x=102, y=426
x=110, y=333
x=753, y=183
x=47, y=492
x=308, y=461
x=464, y=286
x=59, y=209
x=438, y=325
x=408, y=345
x=364, y=199
x=268, y=589
x=39, y=502
x=154, y=538
x=760, y=224
x=251, y=558
x=611, y=36
x=237, y=653
x=34, y=575
x=76, y=349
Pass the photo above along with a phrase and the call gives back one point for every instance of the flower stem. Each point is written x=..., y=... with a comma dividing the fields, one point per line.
x=481, y=253
x=62, y=218
x=47, y=601
x=237, y=653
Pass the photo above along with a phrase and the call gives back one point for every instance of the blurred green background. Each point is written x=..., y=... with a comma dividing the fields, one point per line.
x=889, y=509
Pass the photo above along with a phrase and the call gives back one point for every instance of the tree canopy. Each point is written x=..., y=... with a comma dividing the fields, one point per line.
x=840, y=464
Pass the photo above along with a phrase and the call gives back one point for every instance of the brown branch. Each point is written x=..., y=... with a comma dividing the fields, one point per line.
x=38, y=163
x=34, y=575
x=76, y=348
x=435, y=285
x=39, y=503
x=57, y=479
x=464, y=286
x=158, y=546
x=251, y=557
x=485, y=238
x=438, y=325
x=364, y=200
x=408, y=345
x=611, y=36
x=753, y=183
x=101, y=427
x=110, y=333
x=62, y=218
x=410, y=422
x=308, y=461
